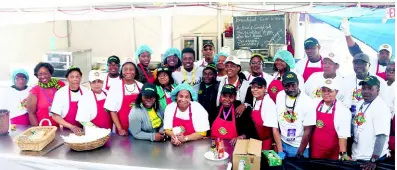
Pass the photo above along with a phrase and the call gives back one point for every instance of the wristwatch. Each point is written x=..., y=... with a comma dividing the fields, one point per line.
x=373, y=160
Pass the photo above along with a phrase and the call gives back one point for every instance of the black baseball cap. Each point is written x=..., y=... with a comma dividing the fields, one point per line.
x=149, y=89
x=230, y=89
x=361, y=56
x=208, y=43
x=73, y=68
x=290, y=77
x=370, y=80
x=260, y=81
x=163, y=69
x=311, y=42
x=114, y=59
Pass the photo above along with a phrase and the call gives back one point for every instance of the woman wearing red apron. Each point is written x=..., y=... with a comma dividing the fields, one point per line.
x=164, y=85
x=113, y=67
x=15, y=102
x=41, y=96
x=64, y=111
x=122, y=96
x=312, y=48
x=329, y=137
x=144, y=53
x=283, y=62
x=258, y=116
x=185, y=119
x=256, y=67
x=91, y=110
x=226, y=124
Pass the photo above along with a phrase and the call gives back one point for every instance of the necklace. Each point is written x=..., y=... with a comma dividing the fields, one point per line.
x=126, y=88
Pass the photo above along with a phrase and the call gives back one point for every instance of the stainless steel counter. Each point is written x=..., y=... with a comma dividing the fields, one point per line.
x=121, y=151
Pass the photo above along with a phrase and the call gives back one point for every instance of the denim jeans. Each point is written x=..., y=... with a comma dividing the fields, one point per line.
x=291, y=151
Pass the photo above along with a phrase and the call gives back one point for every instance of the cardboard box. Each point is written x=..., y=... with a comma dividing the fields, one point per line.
x=247, y=153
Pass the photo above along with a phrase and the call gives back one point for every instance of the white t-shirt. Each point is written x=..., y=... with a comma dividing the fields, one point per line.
x=316, y=81
x=342, y=118
x=374, y=65
x=199, y=116
x=179, y=77
x=349, y=85
x=60, y=105
x=300, y=79
x=266, y=76
x=301, y=65
x=241, y=92
x=219, y=78
x=305, y=113
x=15, y=101
x=377, y=121
x=110, y=81
x=115, y=96
x=268, y=112
x=87, y=106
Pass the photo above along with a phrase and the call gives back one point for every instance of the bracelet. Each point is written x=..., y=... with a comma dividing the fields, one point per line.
x=342, y=153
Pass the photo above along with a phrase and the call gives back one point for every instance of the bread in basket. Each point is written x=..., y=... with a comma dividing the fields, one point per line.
x=93, y=138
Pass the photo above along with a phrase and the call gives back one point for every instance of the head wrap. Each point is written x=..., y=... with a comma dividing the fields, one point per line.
x=183, y=86
x=19, y=71
x=218, y=55
x=143, y=48
x=287, y=57
x=171, y=52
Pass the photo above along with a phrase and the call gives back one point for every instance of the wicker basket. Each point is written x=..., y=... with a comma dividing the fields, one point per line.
x=88, y=145
x=38, y=145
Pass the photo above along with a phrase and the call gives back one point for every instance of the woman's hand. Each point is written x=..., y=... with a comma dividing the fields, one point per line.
x=159, y=136
x=240, y=110
x=234, y=140
x=175, y=141
x=181, y=138
x=77, y=130
x=122, y=132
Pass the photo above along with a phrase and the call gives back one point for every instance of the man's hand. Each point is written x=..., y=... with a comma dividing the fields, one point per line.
x=159, y=136
x=344, y=27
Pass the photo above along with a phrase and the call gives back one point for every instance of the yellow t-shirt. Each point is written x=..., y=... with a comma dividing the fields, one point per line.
x=154, y=118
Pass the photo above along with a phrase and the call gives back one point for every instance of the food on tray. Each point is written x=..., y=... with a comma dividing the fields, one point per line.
x=92, y=133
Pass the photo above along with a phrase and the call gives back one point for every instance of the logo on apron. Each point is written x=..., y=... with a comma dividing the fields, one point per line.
x=359, y=119
x=24, y=103
x=357, y=94
x=182, y=129
x=320, y=124
x=274, y=89
x=222, y=131
x=289, y=116
x=132, y=105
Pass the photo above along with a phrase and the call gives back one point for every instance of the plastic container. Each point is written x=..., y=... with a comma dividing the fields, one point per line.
x=4, y=121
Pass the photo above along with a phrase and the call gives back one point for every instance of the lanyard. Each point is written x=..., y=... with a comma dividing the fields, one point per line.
x=185, y=76
x=144, y=71
x=293, y=106
x=46, y=95
x=357, y=83
x=329, y=108
x=361, y=108
x=228, y=113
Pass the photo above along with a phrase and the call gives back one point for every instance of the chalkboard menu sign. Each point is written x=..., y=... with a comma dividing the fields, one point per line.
x=257, y=32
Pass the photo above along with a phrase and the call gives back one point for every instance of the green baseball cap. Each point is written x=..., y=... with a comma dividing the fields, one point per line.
x=370, y=80
x=230, y=89
x=290, y=77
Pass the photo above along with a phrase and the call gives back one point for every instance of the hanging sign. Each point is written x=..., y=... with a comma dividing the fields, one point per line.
x=390, y=13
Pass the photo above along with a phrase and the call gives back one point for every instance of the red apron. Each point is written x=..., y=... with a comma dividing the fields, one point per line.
x=310, y=70
x=392, y=137
x=107, y=87
x=324, y=141
x=254, y=77
x=71, y=116
x=274, y=87
x=380, y=74
x=264, y=133
x=223, y=129
x=167, y=97
x=44, y=102
x=148, y=78
x=126, y=107
x=186, y=125
x=21, y=119
x=102, y=119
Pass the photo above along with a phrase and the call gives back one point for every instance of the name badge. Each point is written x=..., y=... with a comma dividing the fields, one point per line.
x=291, y=134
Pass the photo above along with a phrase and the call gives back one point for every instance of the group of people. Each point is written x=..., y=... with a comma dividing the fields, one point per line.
x=304, y=109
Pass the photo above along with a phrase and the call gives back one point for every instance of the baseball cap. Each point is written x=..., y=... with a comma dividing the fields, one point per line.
x=361, y=56
x=128, y=60
x=290, y=77
x=385, y=47
x=163, y=69
x=149, y=89
x=311, y=42
x=210, y=43
x=232, y=59
x=113, y=58
x=370, y=80
x=212, y=67
x=228, y=88
x=331, y=84
x=259, y=81
x=72, y=68
x=95, y=75
x=333, y=57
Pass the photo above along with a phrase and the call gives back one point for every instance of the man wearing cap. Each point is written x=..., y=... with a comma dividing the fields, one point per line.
x=208, y=52
x=256, y=66
x=329, y=137
x=113, y=65
x=144, y=54
x=91, y=111
x=351, y=85
x=189, y=73
x=208, y=89
x=390, y=70
x=295, y=117
x=378, y=65
x=371, y=125
x=314, y=62
x=314, y=84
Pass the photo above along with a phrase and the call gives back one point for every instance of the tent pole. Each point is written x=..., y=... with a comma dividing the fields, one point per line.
x=219, y=30
x=68, y=33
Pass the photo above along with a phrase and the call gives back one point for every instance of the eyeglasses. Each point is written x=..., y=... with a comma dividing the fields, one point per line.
x=256, y=63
